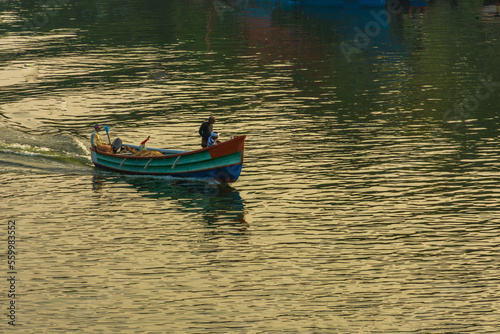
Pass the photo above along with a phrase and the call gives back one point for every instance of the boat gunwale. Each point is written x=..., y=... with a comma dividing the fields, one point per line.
x=242, y=138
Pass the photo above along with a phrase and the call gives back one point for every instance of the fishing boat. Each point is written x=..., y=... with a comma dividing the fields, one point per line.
x=221, y=162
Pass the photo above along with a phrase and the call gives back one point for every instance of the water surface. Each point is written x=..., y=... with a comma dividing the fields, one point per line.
x=368, y=198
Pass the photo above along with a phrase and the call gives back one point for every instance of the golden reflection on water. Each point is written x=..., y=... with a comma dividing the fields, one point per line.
x=359, y=209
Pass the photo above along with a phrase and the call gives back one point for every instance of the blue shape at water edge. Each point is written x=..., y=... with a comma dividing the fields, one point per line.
x=343, y=3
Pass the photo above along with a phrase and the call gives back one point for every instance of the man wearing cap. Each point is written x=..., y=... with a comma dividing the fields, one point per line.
x=96, y=141
x=206, y=130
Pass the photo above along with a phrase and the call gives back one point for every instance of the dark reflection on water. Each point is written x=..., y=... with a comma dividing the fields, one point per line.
x=219, y=205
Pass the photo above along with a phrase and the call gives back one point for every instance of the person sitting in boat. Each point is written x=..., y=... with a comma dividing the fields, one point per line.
x=96, y=141
x=206, y=130
x=213, y=139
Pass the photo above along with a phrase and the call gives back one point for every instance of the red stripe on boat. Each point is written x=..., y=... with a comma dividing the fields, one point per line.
x=228, y=147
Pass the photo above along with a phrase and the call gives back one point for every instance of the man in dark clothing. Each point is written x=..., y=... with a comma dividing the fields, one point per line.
x=206, y=130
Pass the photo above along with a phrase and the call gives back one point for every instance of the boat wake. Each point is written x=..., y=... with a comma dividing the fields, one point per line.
x=21, y=151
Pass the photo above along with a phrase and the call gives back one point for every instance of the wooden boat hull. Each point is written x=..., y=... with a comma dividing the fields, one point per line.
x=222, y=162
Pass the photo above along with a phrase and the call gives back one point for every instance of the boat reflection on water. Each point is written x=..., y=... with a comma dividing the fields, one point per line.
x=491, y=9
x=418, y=7
x=220, y=205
